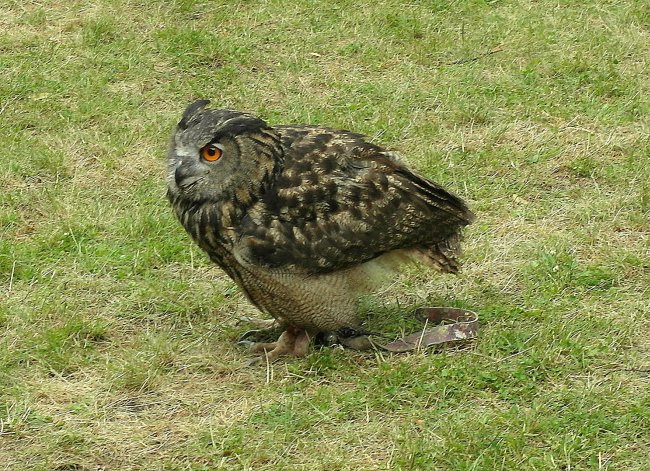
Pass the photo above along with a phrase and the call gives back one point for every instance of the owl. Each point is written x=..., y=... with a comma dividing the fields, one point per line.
x=304, y=218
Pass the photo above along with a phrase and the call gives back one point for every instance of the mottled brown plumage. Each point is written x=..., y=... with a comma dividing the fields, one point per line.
x=300, y=217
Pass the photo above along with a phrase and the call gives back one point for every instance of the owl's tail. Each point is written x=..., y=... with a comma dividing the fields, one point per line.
x=448, y=215
x=442, y=256
x=443, y=204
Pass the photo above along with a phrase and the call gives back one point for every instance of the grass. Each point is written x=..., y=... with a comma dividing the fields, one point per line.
x=116, y=333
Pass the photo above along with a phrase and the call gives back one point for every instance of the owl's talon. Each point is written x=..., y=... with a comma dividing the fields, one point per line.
x=260, y=335
x=245, y=343
x=253, y=361
x=247, y=334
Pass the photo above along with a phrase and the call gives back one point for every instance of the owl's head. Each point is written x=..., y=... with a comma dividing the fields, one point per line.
x=215, y=154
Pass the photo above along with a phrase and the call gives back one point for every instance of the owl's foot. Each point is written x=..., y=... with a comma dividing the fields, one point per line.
x=293, y=341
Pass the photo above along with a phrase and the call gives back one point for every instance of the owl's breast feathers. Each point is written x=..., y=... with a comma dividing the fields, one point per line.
x=339, y=201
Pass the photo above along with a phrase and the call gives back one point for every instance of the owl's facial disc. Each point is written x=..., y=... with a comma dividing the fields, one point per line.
x=216, y=152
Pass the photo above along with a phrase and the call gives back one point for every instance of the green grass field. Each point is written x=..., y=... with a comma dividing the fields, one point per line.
x=117, y=334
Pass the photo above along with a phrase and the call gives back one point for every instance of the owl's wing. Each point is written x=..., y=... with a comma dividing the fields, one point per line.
x=340, y=201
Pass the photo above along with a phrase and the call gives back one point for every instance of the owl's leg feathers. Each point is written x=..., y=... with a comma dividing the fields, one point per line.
x=301, y=344
x=293, y=341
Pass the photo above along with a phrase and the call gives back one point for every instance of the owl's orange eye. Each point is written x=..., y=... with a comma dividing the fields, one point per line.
x=212, y=152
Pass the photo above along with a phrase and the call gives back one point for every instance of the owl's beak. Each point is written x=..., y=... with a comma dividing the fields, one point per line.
x=186, y=175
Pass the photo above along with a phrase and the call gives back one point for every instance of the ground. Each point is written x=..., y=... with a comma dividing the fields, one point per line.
x=116, y=333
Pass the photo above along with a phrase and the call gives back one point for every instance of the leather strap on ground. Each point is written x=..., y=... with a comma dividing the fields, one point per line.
x=441, y=325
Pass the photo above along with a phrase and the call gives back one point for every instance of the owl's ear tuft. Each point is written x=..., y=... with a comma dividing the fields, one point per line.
x=190, y=111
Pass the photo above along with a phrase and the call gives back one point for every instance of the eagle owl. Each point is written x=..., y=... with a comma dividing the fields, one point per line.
x=302, y=217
